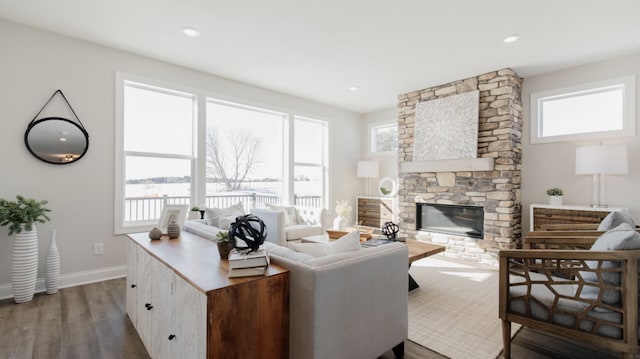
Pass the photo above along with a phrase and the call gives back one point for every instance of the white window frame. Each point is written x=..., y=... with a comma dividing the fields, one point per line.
x=628, y=84
x=372, y=138
x=120, y=226
x=198, y=166
x=324, y=165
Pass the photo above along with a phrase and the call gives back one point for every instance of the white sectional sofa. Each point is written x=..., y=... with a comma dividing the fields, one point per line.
x=343, y=305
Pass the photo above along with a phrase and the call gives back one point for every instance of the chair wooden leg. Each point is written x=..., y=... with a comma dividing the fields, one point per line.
x=398, y=350
x=506, y=339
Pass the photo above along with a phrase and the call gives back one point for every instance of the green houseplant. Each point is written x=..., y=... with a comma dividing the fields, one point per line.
x=224, y=244
x=554, y=191
x=21, y=216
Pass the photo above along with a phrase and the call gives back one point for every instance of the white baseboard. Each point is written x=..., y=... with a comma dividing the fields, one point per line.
x=73, y=279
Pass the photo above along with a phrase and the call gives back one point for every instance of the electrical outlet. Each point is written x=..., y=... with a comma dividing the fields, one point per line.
x=98, y=248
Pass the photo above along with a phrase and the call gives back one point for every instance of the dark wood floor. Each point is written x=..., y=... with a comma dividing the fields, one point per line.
x=90, y=321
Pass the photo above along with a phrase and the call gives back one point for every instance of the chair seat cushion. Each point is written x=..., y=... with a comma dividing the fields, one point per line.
x=540, y=305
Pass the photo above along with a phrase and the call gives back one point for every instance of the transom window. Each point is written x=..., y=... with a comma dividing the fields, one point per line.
x=589, y=111
x=383, y=138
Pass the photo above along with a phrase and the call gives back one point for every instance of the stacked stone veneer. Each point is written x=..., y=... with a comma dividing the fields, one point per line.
x=497, y=190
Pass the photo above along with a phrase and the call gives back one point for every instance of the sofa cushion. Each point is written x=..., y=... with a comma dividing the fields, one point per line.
x=622, y=237
x=312, y=249
x=615, y=219
x=347, y=243
x=309, y=215
x=298, y=231
x=224, y=222
x=287, y=253
x=290, y=216
x=213, y=215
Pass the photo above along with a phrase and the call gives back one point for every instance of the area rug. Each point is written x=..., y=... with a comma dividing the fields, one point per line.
x=455, y=310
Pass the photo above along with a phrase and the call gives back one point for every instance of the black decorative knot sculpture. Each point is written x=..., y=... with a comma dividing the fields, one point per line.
x=249, y=229
x=390, y=229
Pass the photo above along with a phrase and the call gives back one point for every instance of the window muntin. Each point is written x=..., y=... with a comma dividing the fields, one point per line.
x=590, y=111
x=383, y=138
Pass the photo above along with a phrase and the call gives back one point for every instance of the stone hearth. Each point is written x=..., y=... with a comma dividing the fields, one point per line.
x=496, y=189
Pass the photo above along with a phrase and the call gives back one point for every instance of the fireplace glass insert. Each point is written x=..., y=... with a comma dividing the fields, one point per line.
x=466, y=221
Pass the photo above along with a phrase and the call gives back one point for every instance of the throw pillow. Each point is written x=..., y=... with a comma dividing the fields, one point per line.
x=289, y=213
x=616, y=218
x=312, y=249
x=213, y=215
x=348, y=242
x=224, y=222
x=622, y=237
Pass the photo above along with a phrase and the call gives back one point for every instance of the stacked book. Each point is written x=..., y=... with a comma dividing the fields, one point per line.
x=242, y=264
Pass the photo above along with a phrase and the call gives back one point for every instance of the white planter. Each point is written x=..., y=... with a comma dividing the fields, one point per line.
x=52, y=265
x=193, y=215
x=24, y=268
x=555, y=200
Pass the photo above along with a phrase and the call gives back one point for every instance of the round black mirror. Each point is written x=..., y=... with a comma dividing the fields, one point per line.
x=56, y=140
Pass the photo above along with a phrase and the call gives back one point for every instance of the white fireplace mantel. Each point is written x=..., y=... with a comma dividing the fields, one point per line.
x=465, y=164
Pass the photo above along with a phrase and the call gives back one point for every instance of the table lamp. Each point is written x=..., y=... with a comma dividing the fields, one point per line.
x=367, y=169
x=600, y=160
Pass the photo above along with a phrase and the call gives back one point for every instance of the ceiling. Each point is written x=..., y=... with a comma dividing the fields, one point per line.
x=317, y=49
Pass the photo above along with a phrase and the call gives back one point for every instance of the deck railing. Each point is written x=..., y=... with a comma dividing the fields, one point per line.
x=150, y=208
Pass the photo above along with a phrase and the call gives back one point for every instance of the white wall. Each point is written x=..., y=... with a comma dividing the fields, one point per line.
x=553, y=165
x=388, y=162
x=33, y=65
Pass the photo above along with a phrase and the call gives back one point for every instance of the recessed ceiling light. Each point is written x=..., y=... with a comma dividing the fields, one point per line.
x=354, y=88
x=511, y=38
x=189, y=31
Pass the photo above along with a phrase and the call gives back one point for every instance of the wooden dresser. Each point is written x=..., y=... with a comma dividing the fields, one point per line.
x=374, y=211
x=548, y=214
x=182, y=304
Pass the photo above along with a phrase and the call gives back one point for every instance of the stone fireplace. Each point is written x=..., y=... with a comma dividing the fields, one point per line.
x=490, y=182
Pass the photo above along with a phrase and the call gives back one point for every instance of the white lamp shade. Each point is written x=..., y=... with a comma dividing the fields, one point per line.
x=607, y=159
x=367, y=169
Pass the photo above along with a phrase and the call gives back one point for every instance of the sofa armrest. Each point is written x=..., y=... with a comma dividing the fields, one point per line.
x=201, y=228
x=274, y=221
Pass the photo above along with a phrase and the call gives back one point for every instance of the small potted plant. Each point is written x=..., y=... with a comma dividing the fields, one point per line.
x=555, y=196
x=224, y=244
x=194, y=213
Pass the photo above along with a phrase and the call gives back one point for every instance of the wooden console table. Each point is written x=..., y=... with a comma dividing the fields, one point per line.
x=375, y=211
x=548, y=214
x=182, y=304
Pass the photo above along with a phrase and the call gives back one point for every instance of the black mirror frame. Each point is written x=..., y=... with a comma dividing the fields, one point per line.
x=36, y=122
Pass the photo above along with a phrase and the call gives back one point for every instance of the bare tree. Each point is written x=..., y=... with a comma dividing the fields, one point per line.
x=232, y=160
